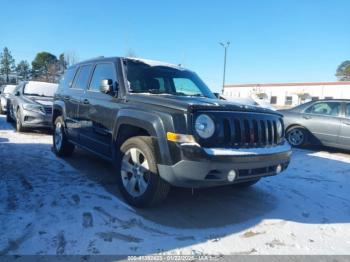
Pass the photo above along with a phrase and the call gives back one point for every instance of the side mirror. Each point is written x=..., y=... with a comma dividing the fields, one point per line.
x=106, y=86
x=17, y=93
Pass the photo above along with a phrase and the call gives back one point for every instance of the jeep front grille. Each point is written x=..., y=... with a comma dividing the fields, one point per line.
x=241, y=129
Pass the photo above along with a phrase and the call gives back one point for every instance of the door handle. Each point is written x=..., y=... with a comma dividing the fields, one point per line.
x=307, y=117
x=66, y=97
x=86, y=101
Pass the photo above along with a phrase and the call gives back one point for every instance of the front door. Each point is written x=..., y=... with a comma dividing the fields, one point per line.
x=99, y=110
x=344, y=136
x=323, y=120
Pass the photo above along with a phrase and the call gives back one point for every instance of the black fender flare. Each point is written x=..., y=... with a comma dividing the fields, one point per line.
x=60, y=106
x=152, y=123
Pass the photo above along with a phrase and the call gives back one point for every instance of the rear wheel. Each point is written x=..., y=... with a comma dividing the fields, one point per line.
x=61, y=145
x=138, y=180
x=297, y=136
x=246, y=184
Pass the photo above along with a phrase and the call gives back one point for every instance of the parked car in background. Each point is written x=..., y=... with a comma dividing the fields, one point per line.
x=160, y=125
x=322, y=122
x=5, y=91
x=252, y=102
x=30, y=106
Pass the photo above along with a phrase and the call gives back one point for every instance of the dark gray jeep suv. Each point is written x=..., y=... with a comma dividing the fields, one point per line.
x=161, y=125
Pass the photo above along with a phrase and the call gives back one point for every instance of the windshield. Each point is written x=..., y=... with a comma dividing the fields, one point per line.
x=144, y=78
x=9, y=89
x=40, y=89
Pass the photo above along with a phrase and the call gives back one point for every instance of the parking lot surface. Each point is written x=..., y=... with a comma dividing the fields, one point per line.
x=72, y=206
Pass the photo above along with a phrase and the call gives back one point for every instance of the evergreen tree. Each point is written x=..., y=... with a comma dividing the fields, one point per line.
x=45, y=66
x=343, y=71
x=23, y=70
x=7, y=63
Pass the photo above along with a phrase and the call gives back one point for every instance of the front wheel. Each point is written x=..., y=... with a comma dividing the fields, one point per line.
x=138, y=180
x=61, y=145
x=19, y=125
x=297, y=136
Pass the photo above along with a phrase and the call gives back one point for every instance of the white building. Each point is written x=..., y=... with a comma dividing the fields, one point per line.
x=290, y=94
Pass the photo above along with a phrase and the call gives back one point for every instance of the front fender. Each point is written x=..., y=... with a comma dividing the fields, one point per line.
x=152, y=123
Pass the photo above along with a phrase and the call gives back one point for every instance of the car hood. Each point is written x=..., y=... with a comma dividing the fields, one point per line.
x=43, y=101
x=185, y=103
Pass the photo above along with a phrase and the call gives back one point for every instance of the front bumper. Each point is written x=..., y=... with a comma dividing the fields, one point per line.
x=200, y=167
x=35, y=120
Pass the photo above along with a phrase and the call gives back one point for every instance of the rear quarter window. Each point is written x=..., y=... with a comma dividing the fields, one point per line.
x=67, y=79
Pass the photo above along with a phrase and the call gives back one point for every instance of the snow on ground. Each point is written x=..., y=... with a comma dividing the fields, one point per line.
x=72, y=206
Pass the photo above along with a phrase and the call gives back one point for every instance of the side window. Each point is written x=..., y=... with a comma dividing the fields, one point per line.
x=67, y=79
x=324, y=108
x=288, y=101
x=347, y=110
x=82, y=79
x=19, y=88
x=273, y=100
x=102, y=72
x=186, y=86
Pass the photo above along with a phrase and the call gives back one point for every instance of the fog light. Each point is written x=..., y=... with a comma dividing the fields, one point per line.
x=279, y=169
x=231, y=176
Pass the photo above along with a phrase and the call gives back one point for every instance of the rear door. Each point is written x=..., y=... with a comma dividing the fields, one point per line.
x=344, y=136
x=99, y=110
x=72, y=99
x=323, y=120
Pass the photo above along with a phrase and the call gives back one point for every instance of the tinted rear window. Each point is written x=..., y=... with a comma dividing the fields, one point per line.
x=67, y=79
x=82, y=79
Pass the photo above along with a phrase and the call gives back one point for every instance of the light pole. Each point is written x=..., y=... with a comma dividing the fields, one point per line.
x=225, y=46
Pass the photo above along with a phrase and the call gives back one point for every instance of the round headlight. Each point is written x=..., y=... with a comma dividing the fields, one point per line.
x=204, y=126
x=279, y=128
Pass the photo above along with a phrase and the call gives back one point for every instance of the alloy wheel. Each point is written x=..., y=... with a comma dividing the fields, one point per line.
x=135, y=172
x=58, y=136
x=296, y=137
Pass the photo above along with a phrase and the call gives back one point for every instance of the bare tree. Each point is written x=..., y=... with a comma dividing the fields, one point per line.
x=71, y=57
x=130, y=53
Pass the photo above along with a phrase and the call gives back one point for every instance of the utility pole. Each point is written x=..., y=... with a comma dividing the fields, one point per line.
x=225, y=46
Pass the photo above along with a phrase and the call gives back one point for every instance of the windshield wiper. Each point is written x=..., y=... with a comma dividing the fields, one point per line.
x=194, y=95
x=152, y=91
x=31, y=94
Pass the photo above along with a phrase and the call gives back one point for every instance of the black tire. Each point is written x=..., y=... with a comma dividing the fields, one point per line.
x=8, y=117
x=64, y=148
x=19, y=126
x=246, y=184
x=297, y=136
x=1, y=112
x=157, y=189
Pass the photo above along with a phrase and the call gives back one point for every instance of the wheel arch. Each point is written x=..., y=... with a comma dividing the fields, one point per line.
x=292, y=126
x=131, y=122
x=58, y=109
